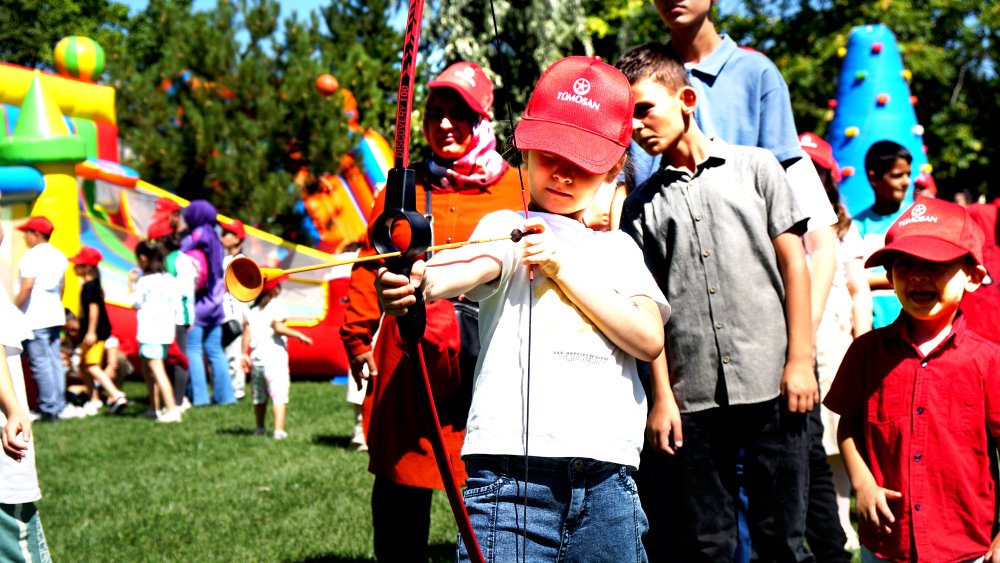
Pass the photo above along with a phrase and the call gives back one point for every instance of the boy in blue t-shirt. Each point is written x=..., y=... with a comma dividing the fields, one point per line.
x=888, y=167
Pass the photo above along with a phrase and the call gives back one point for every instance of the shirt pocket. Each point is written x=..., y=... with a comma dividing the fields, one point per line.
x=966, y=407
x=888, y=402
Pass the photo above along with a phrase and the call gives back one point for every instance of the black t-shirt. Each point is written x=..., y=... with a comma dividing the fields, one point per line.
x=92, y=293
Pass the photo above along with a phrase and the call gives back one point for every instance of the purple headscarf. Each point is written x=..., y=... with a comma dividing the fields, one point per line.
x=200, y=218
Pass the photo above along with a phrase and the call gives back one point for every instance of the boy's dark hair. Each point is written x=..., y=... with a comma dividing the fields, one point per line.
x=882, y=156
x=154, y=256
x=658, y=61
x=170, y=242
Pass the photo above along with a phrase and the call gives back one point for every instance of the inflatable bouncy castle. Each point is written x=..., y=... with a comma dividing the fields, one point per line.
x=59, y=157
x=873, y=104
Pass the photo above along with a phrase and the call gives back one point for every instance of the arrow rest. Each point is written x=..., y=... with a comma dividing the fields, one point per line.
x=400, y=207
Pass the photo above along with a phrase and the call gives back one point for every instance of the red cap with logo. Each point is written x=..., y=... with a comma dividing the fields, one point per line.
x=234, y=226
x=581, y=110
x=820, y=152
x=470, y=82
x=934, y=230
x=38, y=224
x=87, y=255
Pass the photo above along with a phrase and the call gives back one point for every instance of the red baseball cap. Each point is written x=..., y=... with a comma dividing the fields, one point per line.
x=235, y=226
x=926, y=181
x=271, y=284
x=581, y=110
x=159, y=229
x=87, y=255
x=38, y=224
x=469, y=80
x=166, y=206
x=820, y=152
x=934, y=230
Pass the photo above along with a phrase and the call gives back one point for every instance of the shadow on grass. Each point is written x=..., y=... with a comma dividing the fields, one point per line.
x=436, y=552
x=342, y=442
x=236, y=431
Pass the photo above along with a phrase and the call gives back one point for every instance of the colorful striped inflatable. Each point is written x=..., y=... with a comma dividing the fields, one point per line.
x=79, y=57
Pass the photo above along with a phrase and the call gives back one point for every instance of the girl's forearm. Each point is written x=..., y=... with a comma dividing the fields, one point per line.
x=451, y=273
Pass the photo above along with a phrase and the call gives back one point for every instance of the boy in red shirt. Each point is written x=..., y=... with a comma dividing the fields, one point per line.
x=920, y=401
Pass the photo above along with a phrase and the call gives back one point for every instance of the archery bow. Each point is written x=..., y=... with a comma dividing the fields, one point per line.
x=400, y=207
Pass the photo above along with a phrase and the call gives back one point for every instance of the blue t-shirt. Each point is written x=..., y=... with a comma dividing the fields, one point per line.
x=742, y=99
x=872, y=227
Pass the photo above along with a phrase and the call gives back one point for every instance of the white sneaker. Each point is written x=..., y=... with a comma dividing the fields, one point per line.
x=92, y=407
x=169, y=416
x=280, y=434
x=71, y=411
x=185, y=405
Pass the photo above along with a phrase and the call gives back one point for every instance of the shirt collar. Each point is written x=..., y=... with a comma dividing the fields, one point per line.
x=713, y=63
x=718, y=152
x=900, y=332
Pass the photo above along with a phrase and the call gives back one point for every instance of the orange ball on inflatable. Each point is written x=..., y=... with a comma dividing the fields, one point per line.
x=326, y=84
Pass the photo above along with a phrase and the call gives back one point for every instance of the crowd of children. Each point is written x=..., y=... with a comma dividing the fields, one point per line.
x=737, y=442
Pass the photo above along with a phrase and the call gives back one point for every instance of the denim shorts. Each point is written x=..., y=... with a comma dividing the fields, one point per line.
x=578, y=510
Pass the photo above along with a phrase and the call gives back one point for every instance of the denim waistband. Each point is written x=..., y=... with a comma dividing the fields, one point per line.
x=514, y=465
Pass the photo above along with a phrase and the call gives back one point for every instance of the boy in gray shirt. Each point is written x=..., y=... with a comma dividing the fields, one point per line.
x=720, y=231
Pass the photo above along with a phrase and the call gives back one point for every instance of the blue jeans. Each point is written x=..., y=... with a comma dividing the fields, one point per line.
x=47, y=369
x=202, y=341
x=578, y=510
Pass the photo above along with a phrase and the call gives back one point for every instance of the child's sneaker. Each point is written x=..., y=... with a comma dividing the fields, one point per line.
x=280, y=434
x=150, y=413
x=71, y=411
x=90, y=408
x=118, y=404
x=260, y=431
x=185, y=405
x=169, y=416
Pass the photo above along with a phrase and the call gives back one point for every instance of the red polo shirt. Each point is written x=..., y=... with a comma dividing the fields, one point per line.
x=927, y=426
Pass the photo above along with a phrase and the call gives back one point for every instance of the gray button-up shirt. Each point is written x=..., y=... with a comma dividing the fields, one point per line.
x=707, y=239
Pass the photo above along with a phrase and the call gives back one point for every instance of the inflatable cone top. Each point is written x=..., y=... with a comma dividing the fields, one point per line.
x=873, y=104
x=41, y=135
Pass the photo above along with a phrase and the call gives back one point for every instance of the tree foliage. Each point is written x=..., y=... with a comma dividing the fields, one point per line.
x=29, y=29
x=222, y=104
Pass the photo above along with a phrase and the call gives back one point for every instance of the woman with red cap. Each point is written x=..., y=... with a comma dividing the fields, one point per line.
x=462, y=179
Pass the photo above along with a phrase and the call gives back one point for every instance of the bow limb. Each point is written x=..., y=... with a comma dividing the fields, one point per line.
x=400, y=207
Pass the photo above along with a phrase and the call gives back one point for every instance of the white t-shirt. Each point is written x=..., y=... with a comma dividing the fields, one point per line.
x=18, y=481
x=233, y=307
x=810, y=196
x=586, y=398
x=264, y=341
x=156, y=296
x=187, y=279
x=47, y=265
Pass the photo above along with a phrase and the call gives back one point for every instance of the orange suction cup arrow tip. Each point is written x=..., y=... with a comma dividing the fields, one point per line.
x=245, y=279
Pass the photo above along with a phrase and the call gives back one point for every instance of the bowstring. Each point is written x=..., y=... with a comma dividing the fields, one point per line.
x=531, y=280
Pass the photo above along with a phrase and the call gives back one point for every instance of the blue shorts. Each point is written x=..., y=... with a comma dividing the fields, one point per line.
x=153, y=351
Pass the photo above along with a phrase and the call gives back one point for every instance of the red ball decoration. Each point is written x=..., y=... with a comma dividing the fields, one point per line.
x=832, y=103
x=326, y=84
x=882, y=99
x=876, y=48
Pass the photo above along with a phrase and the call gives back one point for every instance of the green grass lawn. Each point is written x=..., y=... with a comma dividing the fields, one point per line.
x=126, y=488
